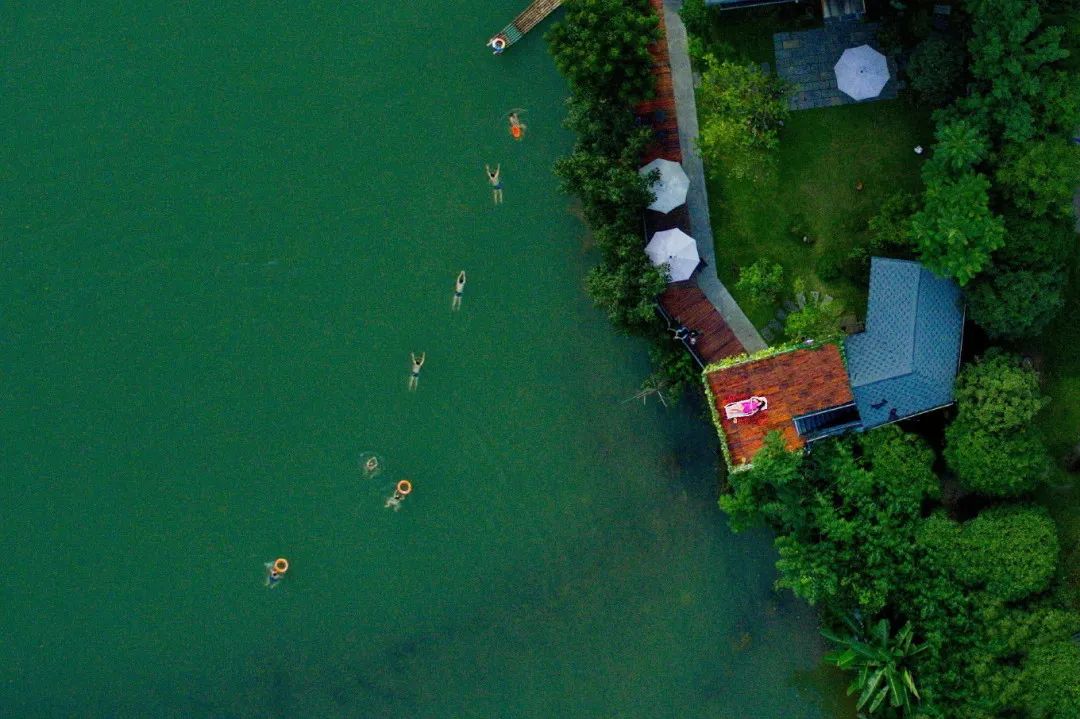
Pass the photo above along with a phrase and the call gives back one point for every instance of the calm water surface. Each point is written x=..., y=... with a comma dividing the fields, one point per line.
x=223, y=228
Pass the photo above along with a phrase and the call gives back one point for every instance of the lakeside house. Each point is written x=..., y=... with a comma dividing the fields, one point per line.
x=903, y=364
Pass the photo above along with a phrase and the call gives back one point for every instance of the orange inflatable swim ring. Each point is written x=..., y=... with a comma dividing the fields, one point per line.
x=515, y=132
x=281, y=565
x=404, y=487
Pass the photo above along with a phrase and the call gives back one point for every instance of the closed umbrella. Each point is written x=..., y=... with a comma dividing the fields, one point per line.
x=861, y=72
x=670, y=189
x=677, y=250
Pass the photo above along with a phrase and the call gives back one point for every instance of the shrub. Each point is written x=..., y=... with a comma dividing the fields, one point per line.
x=890, y=228
x=998, y=394
x=996, y=465
x=936, y=70
x=1041, y=177
x=1014, y=304
x=741, y=109
x=1050, y=680
x=817, y=320
x=1011, y=551
x=761, y=281
x=695, y=15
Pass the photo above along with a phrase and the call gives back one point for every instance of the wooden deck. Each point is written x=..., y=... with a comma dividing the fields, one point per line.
x=795, y=383
x=683, y=303
x=526, y=20
x=660, y=112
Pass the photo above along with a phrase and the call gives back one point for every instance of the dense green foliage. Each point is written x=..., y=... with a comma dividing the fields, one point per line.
x=935, y=70
x=601, y=47
x=859, y=535
x=975, y=574
x=761, y=281
x=741, y=109
x=1025, y=287
x=843, y=515
x=883, y=663
x=956, y=231
x=817, y=320
x=992, y=444
x=1003, y=148
x=1011, y=551
x=1040, y=177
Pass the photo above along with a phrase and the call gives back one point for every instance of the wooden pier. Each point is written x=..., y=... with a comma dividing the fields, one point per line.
x=529, y=18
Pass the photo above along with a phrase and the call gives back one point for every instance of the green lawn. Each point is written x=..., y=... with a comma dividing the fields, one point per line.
x=823, y=154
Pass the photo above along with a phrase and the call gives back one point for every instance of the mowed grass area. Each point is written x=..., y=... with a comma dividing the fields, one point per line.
x=823, y=154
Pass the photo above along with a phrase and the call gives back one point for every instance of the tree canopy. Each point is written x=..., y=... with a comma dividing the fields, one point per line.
x=601, y=47
x=741, y=111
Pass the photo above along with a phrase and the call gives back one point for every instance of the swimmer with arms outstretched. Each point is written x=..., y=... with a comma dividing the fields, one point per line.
x=459, y=287
x=417, y=363
x=496, y=182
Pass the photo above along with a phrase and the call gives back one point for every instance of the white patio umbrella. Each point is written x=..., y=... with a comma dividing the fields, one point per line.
x=677, y=249
x=671, y=188
x=861, y=72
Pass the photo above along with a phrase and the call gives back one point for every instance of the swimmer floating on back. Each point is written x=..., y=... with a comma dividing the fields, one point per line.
x=417, y=363
x=517, y=127
x=459, y=287
x=496, y=183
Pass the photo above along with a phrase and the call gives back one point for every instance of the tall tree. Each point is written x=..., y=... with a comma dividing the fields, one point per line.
x=955, y=231
x=601, y=47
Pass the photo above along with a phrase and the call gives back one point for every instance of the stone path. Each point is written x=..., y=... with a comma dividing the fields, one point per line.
x=805, y=60
x=697, y=200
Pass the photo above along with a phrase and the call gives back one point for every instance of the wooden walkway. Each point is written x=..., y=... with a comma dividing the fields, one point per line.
x=683, y=303
x=660, y=112
x=529, y=18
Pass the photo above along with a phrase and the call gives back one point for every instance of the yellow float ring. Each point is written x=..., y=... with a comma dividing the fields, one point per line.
x=404, y=487
x=281, y=565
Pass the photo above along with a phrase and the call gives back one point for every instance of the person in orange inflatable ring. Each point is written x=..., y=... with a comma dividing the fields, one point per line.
x=275, y=570
x=517, y=127
x=402, y=490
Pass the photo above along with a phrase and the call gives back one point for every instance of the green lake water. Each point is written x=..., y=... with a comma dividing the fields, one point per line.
x=223, y=228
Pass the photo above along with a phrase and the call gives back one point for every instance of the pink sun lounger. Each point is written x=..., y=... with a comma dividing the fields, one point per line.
x=745, y=407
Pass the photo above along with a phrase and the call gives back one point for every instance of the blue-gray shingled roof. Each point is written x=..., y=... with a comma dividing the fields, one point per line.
x=907, y=358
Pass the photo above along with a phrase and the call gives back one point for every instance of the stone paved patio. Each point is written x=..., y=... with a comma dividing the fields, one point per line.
x=805, y=61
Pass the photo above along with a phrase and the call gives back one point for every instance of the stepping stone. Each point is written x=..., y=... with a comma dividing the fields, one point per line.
x=790, y=306
x=827, y=299
x=801, y=299
x=767, y=334
x=815, y=295
x=775, y=326
x=781, y=315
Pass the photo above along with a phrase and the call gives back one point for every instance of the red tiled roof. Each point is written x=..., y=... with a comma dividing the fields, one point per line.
x=687, y=305
x=795, y=383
